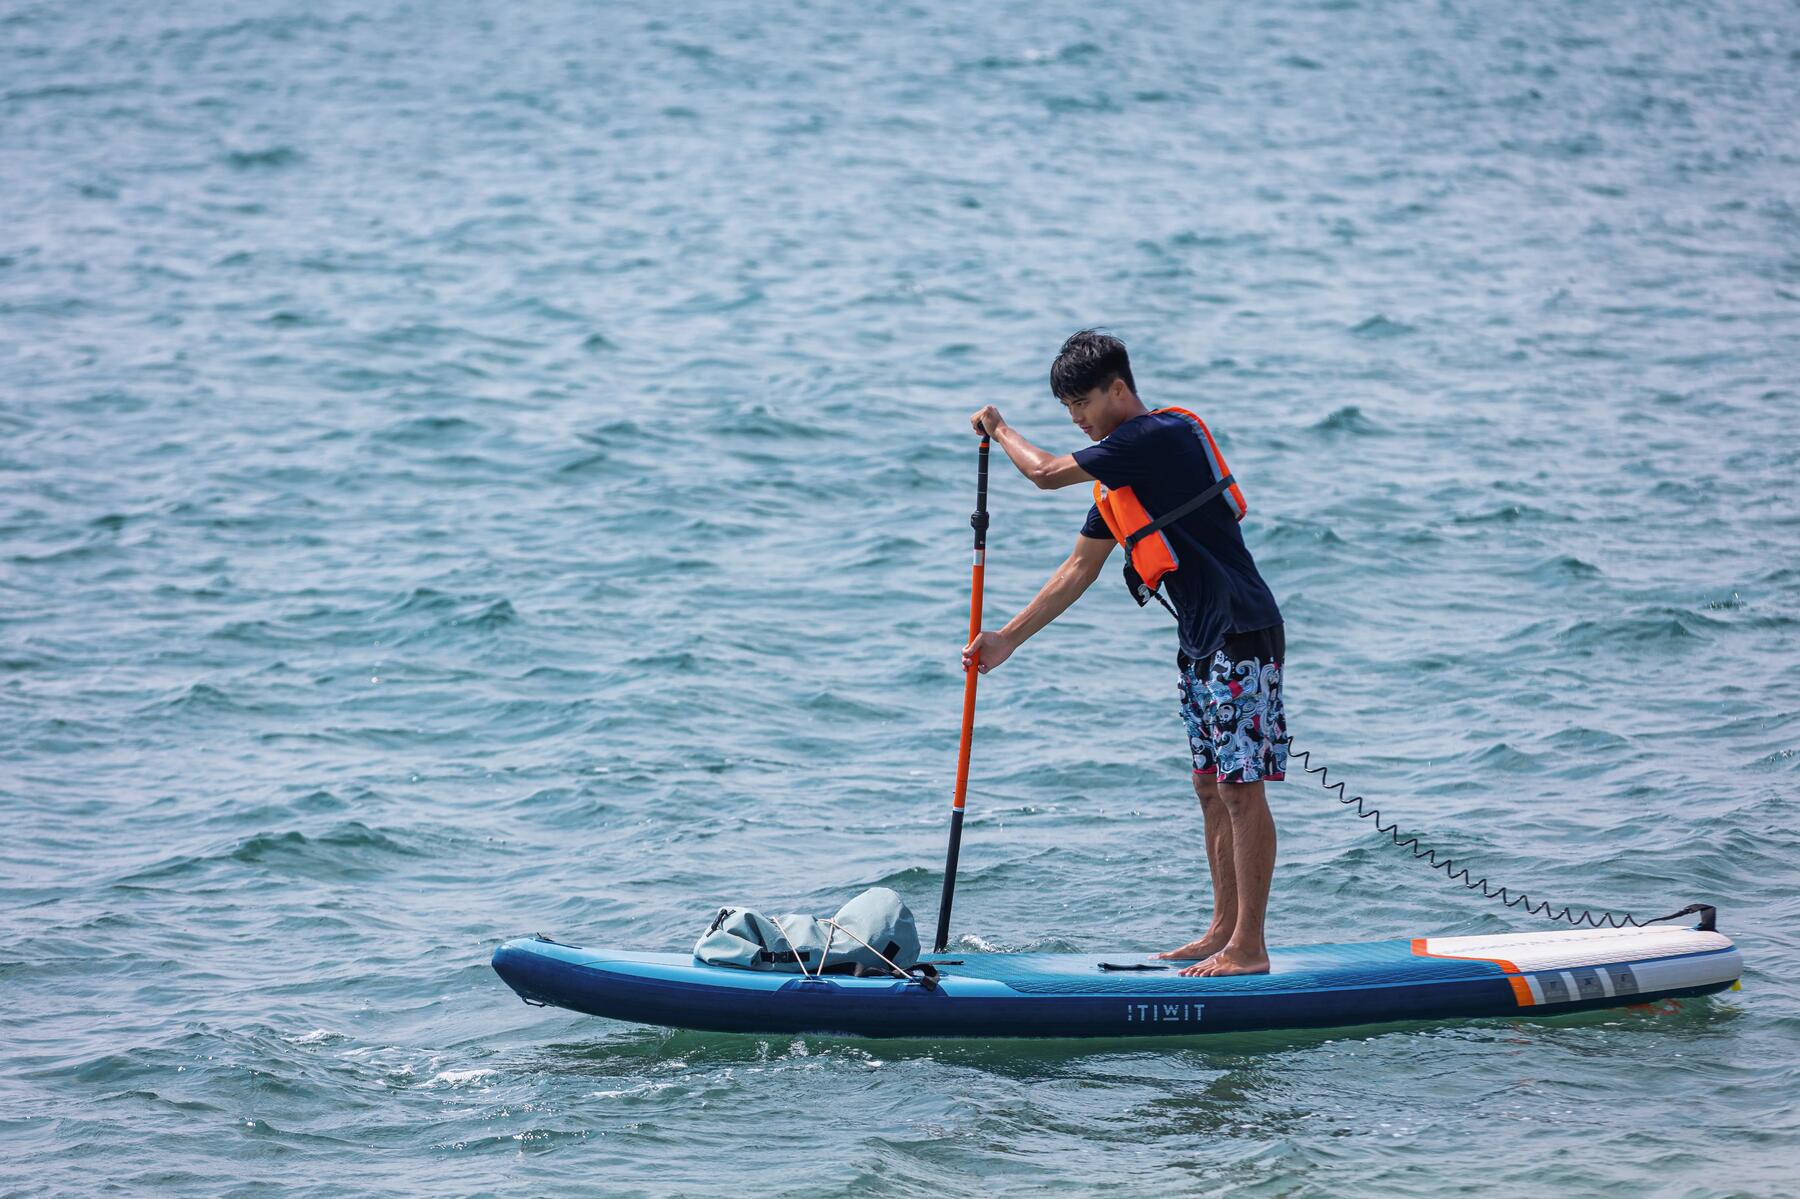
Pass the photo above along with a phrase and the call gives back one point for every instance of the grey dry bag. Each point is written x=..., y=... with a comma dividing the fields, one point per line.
x=795, y=944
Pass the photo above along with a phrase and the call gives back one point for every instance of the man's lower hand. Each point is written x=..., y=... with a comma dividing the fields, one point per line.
x=987, y=651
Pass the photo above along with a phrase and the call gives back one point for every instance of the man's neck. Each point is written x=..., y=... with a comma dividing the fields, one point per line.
x=1131, y=414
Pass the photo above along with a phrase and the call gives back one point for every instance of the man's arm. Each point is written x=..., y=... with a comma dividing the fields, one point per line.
x=1043, y=468
x=1063, y=588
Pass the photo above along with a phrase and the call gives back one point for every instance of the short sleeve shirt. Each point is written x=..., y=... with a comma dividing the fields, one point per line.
x=1216, y=590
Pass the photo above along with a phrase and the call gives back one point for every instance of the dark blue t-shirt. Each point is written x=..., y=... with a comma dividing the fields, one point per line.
x=1216, y=590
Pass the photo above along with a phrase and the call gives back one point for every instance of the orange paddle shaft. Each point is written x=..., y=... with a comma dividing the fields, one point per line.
x=972, y=672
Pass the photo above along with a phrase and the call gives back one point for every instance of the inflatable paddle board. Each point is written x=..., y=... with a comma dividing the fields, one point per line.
x=1124, y=994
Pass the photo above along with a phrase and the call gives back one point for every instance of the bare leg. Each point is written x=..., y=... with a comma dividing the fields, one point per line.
x=1224, y=880
x=1253, y=862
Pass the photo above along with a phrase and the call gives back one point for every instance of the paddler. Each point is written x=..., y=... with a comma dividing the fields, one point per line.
x=1162, y=485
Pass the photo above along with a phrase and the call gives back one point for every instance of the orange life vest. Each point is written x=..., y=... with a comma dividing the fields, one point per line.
x=1151, y=554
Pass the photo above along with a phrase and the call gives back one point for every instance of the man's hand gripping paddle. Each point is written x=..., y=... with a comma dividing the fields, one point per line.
x=971, y=672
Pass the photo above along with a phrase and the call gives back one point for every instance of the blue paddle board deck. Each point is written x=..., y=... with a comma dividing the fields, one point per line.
x=1076, y=995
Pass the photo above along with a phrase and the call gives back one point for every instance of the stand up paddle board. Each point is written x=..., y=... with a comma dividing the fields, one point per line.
x=1123, y=994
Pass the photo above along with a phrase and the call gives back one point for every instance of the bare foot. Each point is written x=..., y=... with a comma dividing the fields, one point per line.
x=1194, y=951
x=1229, y=961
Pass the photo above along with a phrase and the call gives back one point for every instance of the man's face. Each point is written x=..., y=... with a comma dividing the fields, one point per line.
x=1100, y=411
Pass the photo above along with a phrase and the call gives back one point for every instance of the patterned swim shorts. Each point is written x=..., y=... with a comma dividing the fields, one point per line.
x=1236, y=726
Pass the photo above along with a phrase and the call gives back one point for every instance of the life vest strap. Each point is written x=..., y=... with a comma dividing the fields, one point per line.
x=1168, y=518
x=1142, y=592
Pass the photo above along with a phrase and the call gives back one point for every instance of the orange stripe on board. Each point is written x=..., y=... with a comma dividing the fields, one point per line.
x=1521, y=990
x=1419, y=950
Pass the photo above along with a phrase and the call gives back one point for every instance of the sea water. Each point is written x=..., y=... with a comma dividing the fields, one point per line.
x=469, y=470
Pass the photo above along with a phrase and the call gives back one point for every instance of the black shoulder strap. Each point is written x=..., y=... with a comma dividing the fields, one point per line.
x=1213, y=492
x=1167, y=519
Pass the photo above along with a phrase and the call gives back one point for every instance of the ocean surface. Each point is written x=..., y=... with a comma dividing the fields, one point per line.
x=470, y=470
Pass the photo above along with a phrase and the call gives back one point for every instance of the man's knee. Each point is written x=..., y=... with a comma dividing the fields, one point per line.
x=1239, y=797
x=1206, y=786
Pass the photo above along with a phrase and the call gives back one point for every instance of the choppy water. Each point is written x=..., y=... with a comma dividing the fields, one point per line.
x=468, y=470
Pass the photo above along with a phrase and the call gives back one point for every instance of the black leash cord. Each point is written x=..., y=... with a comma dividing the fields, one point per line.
x=1579, y=917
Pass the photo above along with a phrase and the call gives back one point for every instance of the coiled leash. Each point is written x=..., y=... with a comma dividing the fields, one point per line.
x=1567, y=914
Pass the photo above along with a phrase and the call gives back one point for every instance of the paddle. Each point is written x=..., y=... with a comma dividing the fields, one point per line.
x=979, y=521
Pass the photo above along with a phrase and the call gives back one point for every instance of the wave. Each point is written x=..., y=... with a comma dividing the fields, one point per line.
x=271, y=158
x=1563, y=568
x=350, y=850
x=1346, y=420
x=1512, y=513
x=1664, y=628
x=1379, y=328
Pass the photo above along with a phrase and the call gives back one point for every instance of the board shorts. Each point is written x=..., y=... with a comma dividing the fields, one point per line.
x=1231, y=704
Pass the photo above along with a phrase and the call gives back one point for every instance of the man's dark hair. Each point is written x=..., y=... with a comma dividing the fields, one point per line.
x=1089, y=359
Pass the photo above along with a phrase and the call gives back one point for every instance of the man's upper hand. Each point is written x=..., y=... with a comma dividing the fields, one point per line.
x=1043, y=469
x=987, y=422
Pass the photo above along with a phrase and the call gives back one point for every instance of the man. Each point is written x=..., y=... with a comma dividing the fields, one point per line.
x=1232, y=642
